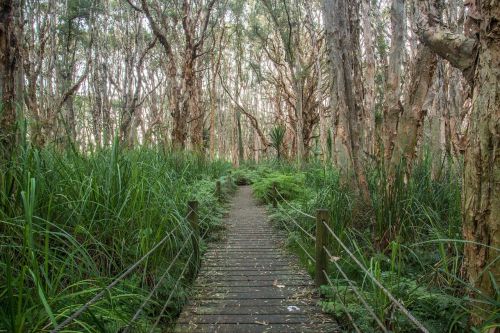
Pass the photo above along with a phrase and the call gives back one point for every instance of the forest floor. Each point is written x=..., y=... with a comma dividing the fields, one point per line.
x=248, y=283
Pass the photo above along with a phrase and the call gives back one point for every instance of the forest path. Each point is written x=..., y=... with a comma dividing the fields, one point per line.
x=247, y=283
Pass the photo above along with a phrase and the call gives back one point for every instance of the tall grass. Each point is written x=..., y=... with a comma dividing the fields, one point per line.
x=70, y=223
x=420, y=261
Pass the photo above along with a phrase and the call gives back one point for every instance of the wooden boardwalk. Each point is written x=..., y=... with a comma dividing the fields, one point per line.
x=247, y=282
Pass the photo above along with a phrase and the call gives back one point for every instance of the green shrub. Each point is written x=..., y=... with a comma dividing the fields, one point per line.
x=418, y=264
x=71, y=223
x=289, y=186
x=243, y=176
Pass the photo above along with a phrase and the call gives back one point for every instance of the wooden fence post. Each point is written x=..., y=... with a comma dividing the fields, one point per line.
x=218, y=191
x=275, y=195
x=322, y=217
x=193, y=221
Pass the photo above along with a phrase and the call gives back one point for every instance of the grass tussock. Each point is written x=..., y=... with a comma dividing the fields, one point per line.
x=419, y=262
x=71, y=223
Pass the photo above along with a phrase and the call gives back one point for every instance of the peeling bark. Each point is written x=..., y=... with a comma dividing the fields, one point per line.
x=411, y=122
x=393, y=107
x=478, y=57
x=341, y=48
x=9, y=55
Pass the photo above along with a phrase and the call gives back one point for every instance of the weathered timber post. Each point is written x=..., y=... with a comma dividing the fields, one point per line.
x=195, y=237
x=218, y=192
x=275, y=195
x=322, y=218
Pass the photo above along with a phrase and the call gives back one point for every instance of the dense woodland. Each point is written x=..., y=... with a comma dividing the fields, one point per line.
x=115, y=113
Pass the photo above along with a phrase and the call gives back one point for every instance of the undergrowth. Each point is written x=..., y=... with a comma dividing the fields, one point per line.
x=71, y=223
x=420, y=262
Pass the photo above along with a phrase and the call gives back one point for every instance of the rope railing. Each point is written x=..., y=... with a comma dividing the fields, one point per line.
x=321, y=277
x=311, y=236
x=193, y=210
x=181, y=275
x=193, y=235
x=157, y=321
x=309, y=255
x=357, y=292
x=292, y=206
x=344, y=307
x=308, y=234
x=99, y=295
x=164, y=275
x=398, y=304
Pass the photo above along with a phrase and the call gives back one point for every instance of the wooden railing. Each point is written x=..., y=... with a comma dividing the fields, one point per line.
x=322, y=258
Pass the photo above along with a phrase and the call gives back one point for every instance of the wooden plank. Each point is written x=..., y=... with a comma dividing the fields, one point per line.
x=246, y=302
x=248, y=283
x=252, y=283
x=270, y=266
x=281, y=272
x=246, y=319
x=248, y=259
x=255, y=328
x=252, y=310
x=254, y=289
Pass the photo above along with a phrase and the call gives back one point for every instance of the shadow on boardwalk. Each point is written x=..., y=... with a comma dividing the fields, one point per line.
x=247, y=283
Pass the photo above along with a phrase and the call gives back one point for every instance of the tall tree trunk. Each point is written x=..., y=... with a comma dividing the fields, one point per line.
x=411, y=123
x=481, y=197
x=9, y=55
x=323, y=132
x=322, y=116
x=341, y=50
x=194, y=111
x=213, y=108
x=393, y=107
x=369, y=78
x=236, y=129
x=239, y=73
x=299, y=114
x=178, y=123
x=67, y=128
x=478, y=56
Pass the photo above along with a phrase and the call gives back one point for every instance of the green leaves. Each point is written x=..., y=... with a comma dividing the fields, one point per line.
x=290, y=186
x=76, y=221
x=420, y=265
x=277, y=136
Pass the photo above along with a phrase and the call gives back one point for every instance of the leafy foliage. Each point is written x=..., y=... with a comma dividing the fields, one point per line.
x=71, y=223
x=420, y=264
x=277, y=136
x=288, y=185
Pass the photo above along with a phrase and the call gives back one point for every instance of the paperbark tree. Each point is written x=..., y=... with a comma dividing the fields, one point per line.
x=477, y=55
x=183, y=93
x=340, y=43
x=318, y=50
x=215, y=61
x=289, y=33
x=393, y=107
x=9, y=65
x=369, y=78
x=409, y=130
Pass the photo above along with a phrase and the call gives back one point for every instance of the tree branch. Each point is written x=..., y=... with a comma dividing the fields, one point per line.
x=251, y=117
x=458, y=49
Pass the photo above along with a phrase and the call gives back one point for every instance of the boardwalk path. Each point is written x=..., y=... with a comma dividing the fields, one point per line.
x=249, y=284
